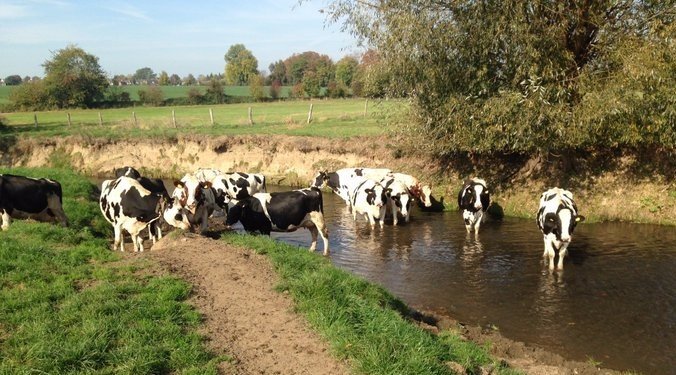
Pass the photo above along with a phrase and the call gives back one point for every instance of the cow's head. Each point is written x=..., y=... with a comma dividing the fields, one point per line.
x=377, y=196
x=319, y=179
x=562, y=223
x=403, y=201
x=188, y=192
x=174, y=215
x=474, y=196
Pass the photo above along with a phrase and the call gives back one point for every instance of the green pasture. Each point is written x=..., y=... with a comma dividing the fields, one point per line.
x=330, y=118
x=170, y=92
x=69, y=305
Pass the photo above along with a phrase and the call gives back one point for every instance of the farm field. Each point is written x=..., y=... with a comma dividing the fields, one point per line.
x=330, y=118
x=170, y=92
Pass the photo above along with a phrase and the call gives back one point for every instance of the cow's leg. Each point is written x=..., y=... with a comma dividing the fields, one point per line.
x=320, y=226
x=54, y=204
x=383, y=210
x=551, y=254
x=314, y=232
x=477, y=222
x=119, y=238
x=6, y=220
x=395, y=214
x=562, y=254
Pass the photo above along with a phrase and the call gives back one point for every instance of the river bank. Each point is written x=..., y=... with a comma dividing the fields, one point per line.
x=608, y=186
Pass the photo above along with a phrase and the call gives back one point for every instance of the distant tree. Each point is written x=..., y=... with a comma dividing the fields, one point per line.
x=277, y=72
x=119, y=80
x=336, y=90
x=163, y=79
x=153, y=95
x=275, y=89
x=13, y=80
x=144, y=76
x=240, y=65
x=174, y=80
x=311, y=84
x=26, y=79
x=298, y=64
x=29, y=96
x=116, y=95
x=346, y=69
x=195, y=96
x=215, y=93
x=256, y=89
x=73, y=78
x=297, y=91
x=189, y=80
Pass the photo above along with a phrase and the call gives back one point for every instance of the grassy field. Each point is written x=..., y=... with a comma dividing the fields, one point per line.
x=68, y=305
x=330, y=118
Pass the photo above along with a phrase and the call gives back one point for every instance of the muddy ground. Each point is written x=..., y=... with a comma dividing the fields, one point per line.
x=244, y=317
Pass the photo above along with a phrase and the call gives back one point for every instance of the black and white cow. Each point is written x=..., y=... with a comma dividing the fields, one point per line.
x=127, y=172
x=197, y=199
x=127, y=205
x=421, y=192
x=369, y=198
x=283, y=212
x=398, y=198
x=474, y=199
x=557, y=218
x=236, y=186
x=32, y=197
x=344, y=181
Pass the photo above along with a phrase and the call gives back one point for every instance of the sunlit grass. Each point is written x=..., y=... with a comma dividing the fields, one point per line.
x=68, y=305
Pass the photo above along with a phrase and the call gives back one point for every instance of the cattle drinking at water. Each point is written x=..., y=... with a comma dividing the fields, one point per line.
x=474, y=199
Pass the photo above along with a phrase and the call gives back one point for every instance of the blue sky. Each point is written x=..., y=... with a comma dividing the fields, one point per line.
x=179, y=37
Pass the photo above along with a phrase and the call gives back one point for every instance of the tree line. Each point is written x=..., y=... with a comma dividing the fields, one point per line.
x=74, y=79
x=525, y=76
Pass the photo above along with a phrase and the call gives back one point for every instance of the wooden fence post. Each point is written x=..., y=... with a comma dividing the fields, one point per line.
x=366, y=107
x=69, y=123
x=133, y=114
x=35, y=119
x=100, y=119
x=173, y=118
x=250, y=116
x=211, y=116
x=309, y=115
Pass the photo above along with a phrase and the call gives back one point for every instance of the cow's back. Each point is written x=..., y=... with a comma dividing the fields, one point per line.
x=26, y=194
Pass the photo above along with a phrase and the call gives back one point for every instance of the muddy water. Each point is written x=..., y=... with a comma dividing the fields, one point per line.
x=615, y=302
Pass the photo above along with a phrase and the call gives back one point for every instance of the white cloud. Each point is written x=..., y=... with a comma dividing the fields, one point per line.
x=10, y=11
x=129, y=11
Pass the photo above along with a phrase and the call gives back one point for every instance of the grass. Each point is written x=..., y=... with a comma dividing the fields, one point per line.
x=67, y=305
x=331, y=118
x=362, y=322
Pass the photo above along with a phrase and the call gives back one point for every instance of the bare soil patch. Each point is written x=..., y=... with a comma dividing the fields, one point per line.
x=243, y=315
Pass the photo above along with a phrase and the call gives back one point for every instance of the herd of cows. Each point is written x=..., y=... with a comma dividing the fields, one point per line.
x=132, y=203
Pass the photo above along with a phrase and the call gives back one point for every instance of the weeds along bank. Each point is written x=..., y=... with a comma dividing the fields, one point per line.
x=627, y=185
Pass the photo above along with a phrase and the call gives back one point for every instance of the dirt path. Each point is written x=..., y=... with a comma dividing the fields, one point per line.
x=243, y=316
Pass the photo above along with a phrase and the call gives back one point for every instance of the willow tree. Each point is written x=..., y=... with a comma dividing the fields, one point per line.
x=525, y=75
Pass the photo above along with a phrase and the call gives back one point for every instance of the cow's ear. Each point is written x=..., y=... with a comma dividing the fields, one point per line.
x=368, y=191
x=579, y=218
x=206, y=185
x=178, y=183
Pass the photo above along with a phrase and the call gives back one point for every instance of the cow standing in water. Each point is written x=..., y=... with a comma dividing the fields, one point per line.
x=25, y=196
x=557, y=219
x=474, y=199
x=283, y=212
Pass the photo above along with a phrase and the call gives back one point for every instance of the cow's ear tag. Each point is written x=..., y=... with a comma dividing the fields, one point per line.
x=368, y=191
x=178, y=183
x=579, y=218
